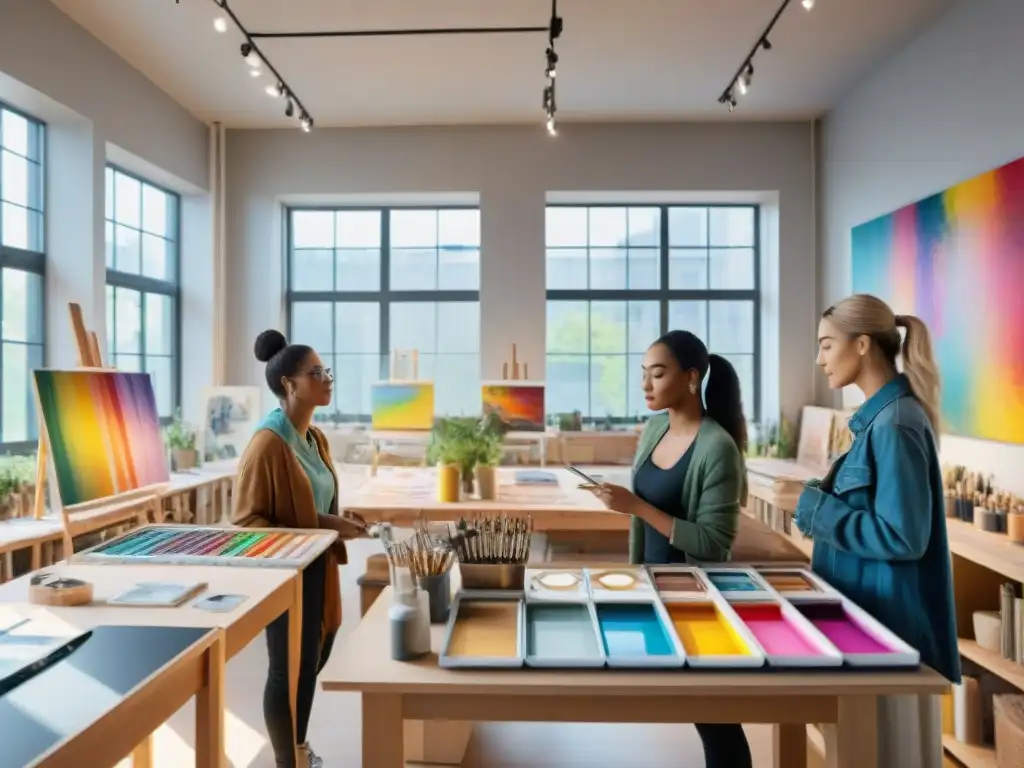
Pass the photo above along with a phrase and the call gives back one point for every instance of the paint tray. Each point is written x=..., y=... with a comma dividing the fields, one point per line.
x=786, y=637
x=860, y=638
x=738, y=584
x=561, y=584
x=563, y=634
x=637, y=634
x=678, y=582
x=620, y=584
x=484, y=632
x=798, y=584
x=712, y=635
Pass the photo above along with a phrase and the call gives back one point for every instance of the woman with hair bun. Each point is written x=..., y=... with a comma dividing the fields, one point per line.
x=688, y=481
x=286, y=479
x=878, y=519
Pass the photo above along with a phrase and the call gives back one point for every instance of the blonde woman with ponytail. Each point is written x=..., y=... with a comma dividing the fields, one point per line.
x=877, y=518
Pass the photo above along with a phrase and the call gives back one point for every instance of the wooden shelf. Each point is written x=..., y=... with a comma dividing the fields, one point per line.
x=991, y=550
x=970, y=756
x=1010, y=671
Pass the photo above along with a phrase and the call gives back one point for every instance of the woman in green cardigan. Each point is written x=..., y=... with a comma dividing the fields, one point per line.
x=688, y=480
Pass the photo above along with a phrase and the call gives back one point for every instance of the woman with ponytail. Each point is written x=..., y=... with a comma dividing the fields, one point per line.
x=688, y=480
x=877, y=519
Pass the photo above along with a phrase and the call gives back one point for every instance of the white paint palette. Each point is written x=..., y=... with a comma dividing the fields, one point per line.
x=619, y=584
x=556, y=584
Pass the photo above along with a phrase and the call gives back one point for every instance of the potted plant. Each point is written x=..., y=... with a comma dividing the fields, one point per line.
x=181, y=440
x=490, y=444
x=16, y=485
x=458, y=446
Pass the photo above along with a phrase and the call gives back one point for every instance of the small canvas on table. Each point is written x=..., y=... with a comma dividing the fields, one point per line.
x=103, y=431
x=405, y=405
x=519, y=405
x=231, y=415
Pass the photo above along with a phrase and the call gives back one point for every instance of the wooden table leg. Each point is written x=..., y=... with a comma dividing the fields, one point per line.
x=382, y=729
x=295, y=654
x=852, y=742
x=790, y=746
x=142, y=755
x=210, y=710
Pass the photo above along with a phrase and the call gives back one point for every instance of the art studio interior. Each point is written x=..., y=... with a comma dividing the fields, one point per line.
x=481, y=220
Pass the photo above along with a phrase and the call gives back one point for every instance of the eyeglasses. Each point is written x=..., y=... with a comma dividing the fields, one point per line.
x=324, y=374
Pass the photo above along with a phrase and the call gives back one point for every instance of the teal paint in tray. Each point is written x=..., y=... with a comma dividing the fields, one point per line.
x=632, y=629
x=561, y=631
x=733, y=582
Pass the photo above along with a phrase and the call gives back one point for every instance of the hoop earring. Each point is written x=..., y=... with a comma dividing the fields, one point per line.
x=693, y=388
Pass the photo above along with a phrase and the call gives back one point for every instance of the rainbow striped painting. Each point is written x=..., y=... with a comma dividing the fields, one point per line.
x=519, y=406
x=406, y=405
x=103, y=431
x=956, y=260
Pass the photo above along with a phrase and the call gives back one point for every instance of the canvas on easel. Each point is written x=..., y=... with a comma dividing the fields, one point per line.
x=100, y=445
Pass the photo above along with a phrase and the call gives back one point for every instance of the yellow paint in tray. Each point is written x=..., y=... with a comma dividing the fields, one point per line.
x=704, y=631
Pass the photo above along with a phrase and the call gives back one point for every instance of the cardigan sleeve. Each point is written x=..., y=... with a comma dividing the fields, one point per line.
x=710, y=532
x=257, y=501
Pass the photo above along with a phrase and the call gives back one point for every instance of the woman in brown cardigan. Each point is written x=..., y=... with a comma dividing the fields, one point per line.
x=286, y=478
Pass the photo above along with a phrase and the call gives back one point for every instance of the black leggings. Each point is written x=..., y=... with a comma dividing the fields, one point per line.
x=725, y=745
x=277, y=711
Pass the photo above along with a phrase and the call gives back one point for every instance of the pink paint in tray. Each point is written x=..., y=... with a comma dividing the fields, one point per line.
x=841, y=629
x=773, y=630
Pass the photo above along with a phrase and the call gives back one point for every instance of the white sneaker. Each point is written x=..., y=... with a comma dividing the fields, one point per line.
x=314, y=760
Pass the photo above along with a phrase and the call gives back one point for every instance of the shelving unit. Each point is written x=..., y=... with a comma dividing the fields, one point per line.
x=981, y=562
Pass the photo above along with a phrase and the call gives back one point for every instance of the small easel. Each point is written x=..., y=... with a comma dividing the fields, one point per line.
x=405, y=365
x=513, y=368
x=132, y=506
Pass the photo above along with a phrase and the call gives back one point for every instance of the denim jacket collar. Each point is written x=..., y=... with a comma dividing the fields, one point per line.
x=892, y=390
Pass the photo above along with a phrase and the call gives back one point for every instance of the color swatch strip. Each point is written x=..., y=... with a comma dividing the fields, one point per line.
x=228, y=543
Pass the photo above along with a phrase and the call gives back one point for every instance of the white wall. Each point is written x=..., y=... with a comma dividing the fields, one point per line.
x=98, y=108
x=512, y=169
x=947, y=107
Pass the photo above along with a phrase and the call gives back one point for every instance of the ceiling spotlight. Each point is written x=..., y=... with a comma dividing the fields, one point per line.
x=255, y=72
x=552, y=63
x=246, y=49
x=766, y=43
x=306, y=122
x=289, y=109
x=743, y=83
x=274, y=91
x=220, y=24
x=808, y=4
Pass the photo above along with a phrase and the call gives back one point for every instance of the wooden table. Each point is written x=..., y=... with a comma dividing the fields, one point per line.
x=271, y=592
x=108, y=721
x=37, y=536
x=403, y=495
x=395, y=691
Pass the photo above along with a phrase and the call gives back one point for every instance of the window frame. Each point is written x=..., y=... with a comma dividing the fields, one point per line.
x=32, y=262
x=384, y=296
x=664, y=295
x=143, y=284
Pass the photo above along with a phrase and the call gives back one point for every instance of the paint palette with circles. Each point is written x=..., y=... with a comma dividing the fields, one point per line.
x=724, y=617
x=556, y=584
x=619, y=584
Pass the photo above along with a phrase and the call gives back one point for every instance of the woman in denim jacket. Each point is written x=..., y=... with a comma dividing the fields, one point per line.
x=877, y=518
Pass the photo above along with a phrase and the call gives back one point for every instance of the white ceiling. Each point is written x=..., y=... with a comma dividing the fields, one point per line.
x=619, y=59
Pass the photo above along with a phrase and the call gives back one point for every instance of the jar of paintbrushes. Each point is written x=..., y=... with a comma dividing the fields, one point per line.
x=429, y=560
x=492, y=552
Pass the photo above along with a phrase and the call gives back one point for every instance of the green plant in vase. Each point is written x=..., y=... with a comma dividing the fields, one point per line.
x=466, y=443
x=181, y=440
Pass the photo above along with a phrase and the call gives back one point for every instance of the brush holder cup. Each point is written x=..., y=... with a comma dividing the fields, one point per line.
x=486, y=577
x=439, y=591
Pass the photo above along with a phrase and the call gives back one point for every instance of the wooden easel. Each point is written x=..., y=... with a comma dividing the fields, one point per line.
x=510, y=370
x=128, y=507
x=400, y=356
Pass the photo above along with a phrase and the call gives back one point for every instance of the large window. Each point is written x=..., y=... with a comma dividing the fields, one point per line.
x=618, y=277
x=142, y=283
x=365, y=281
x=22, y=264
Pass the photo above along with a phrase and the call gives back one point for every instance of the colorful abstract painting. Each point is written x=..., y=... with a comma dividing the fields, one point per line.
x=407, y=405
x=519, y=406
x=956, y=260
x=103, y=432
